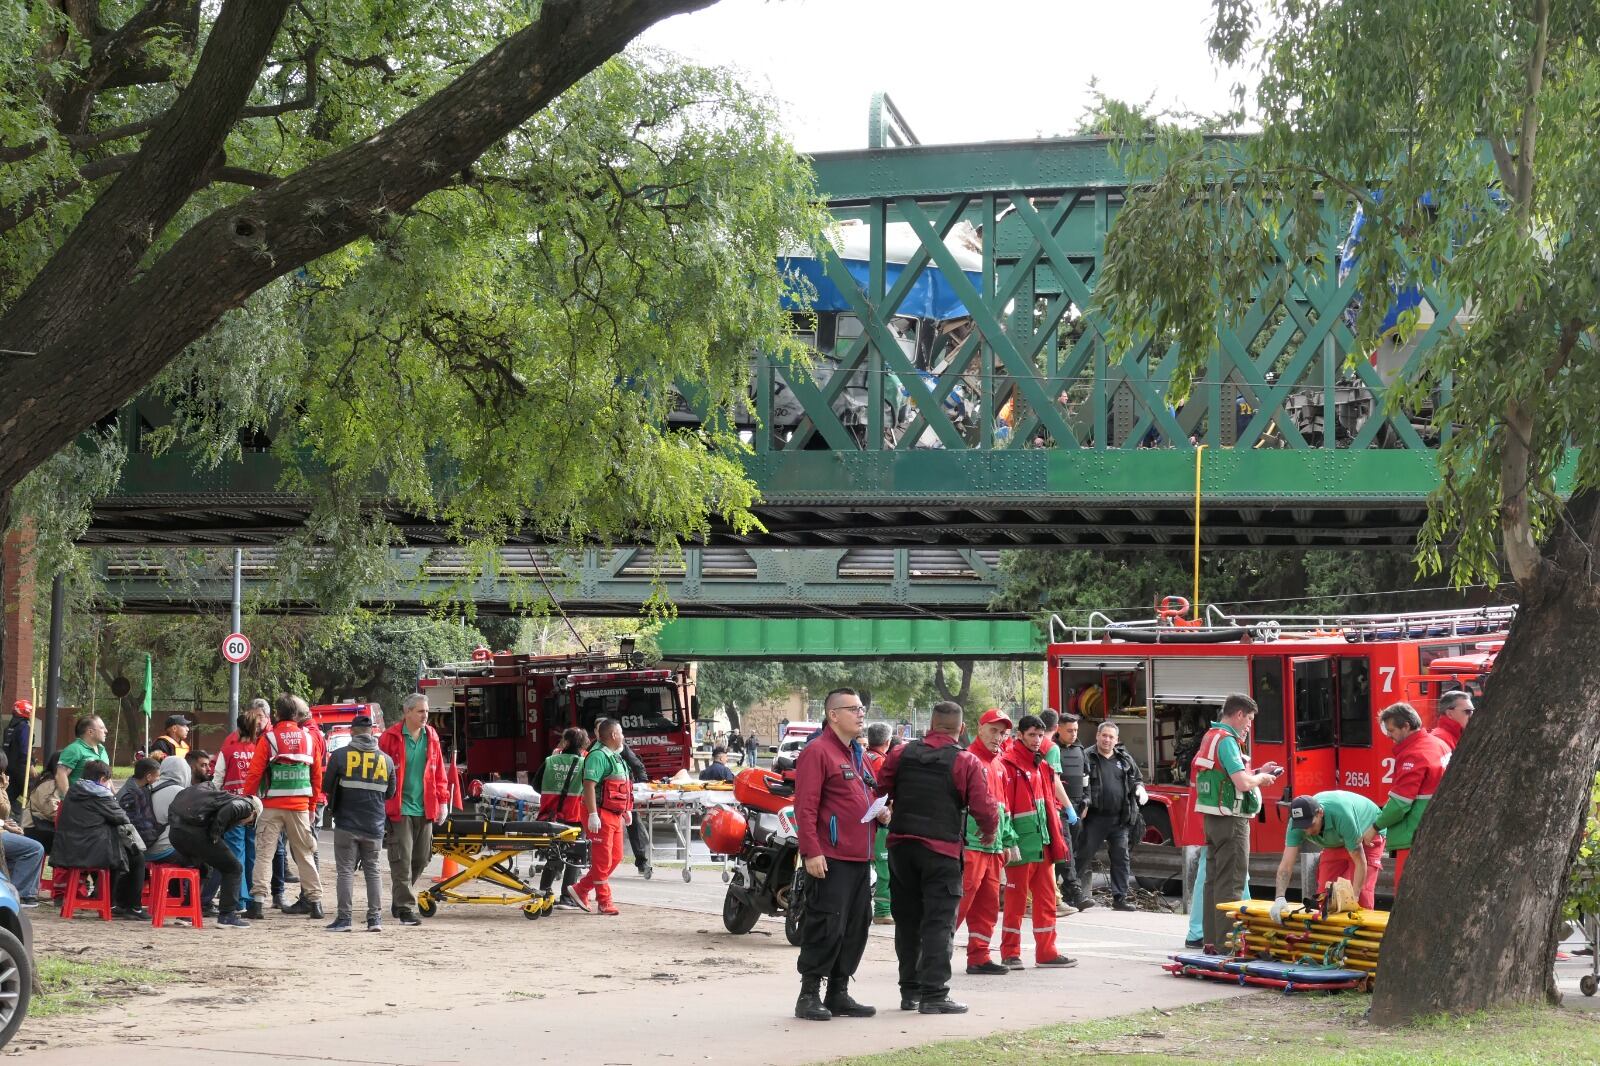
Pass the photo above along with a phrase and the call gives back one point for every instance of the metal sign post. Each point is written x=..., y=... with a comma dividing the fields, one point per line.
x=233, y=668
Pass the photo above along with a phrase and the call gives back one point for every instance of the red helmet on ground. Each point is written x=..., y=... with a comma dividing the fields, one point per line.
x=723, y=830
x=22, y=709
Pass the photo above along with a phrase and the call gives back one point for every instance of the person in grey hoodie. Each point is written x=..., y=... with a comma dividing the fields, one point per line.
x=358, y=782
x=173, y=779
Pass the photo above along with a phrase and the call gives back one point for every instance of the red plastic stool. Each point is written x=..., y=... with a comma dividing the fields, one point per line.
x=76, y=896
x=165, y=902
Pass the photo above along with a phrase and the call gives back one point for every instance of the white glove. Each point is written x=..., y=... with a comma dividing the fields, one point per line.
x=627, y=817
x=1143, y=796
x=1013, y=854
x=594, y=822
x=1275, y=912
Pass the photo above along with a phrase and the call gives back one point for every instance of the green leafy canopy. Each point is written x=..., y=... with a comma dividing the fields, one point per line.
x=500, y=357
x=1464, y=131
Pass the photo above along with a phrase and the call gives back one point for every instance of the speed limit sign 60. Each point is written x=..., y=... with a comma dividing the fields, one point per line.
x=236, y=647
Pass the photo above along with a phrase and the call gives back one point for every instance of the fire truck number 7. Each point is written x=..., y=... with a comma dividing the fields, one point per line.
x=1387, y=673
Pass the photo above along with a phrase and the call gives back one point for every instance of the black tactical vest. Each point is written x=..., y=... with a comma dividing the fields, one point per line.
x=926, y=803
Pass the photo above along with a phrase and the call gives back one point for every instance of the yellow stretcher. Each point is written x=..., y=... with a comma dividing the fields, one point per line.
x=486, y=850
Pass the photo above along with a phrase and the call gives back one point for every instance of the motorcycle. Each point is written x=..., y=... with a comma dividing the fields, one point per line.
x=766, y=876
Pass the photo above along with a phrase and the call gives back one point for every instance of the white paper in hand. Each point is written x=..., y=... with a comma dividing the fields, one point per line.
x=875, y=809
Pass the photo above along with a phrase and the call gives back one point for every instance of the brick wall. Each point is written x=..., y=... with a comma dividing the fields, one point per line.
x=16, y=633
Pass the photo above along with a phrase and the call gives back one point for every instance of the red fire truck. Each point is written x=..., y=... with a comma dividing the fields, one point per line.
x=503, y=713
x=1320, y=683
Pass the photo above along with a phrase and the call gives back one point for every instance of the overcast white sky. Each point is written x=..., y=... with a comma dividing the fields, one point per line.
x=959, y=70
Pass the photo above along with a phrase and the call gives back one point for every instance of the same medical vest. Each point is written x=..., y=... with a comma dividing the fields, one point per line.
x=1214, y=791
x=291, y=756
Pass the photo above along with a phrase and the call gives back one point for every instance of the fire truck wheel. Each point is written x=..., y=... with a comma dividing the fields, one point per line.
x=427, y=905
x=1157, y=833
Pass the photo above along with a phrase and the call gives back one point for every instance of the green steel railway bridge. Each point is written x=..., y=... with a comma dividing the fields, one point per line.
x=921, y=445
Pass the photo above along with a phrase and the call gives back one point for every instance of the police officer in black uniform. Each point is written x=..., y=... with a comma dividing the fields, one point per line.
x=1074, y=776
x=932, y=783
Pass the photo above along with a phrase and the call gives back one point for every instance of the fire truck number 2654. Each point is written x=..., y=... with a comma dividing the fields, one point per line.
x=1361, y=779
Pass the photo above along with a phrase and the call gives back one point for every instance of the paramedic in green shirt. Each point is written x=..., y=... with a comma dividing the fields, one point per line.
x=1227, y=794
x=1336, y=822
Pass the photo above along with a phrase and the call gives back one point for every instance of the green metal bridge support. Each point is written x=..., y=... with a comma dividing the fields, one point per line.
x=1021, y=425
x=826, y=639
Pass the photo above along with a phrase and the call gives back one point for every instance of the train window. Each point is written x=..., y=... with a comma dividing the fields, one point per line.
x=1266, y=685
x=1355, y=703
x=1313, y=704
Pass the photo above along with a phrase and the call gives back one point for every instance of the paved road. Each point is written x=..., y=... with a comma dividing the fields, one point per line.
x=711, y=1016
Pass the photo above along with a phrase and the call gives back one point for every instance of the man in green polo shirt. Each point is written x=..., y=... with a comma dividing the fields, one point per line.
x=608, y=807
x=89, y=747
x=1334, y=821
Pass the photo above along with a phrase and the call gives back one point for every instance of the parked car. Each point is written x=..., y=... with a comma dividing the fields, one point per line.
x=16, y=961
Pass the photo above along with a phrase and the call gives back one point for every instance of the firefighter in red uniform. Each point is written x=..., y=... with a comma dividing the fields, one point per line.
x=985, y=861
x=1419, y=761
x=1455, y=711
x=286, y=775
x=831, y=800
x=608, y=803
x=1030, y=797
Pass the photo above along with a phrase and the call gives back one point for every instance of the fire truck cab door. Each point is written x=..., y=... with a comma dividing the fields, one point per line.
x=1313, y=765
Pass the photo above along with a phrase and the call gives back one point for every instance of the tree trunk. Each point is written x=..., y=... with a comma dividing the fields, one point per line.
x=1476, y=923
x=961, y=694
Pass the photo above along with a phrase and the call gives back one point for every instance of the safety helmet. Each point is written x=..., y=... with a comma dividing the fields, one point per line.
x=22, y=709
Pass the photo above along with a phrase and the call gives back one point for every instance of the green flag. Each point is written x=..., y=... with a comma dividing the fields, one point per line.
x=149, y=684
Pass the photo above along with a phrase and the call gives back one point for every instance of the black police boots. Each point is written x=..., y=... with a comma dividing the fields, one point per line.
x=841, y=1005
x=809, y=1006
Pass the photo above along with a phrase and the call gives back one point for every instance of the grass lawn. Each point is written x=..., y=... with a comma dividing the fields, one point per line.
x=72, y=985
x=1283, y=1031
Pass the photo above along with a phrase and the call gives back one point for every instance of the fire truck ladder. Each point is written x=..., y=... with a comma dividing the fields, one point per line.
x=1222, y=627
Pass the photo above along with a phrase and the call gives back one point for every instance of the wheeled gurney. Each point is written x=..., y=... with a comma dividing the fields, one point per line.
x=485, y=851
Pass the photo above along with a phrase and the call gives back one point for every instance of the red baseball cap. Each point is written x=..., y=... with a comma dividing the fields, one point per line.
x=993, y=715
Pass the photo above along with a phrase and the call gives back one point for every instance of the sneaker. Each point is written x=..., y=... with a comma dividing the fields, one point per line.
x=338, y=925
x=990, y=967
x=277, y=901
x=232, y=921
x=609, y=908
x=1123, y=905
x=1194, y=944
x=1060, y=962
x=1013, y=963
x=208, y=910
x=374, y=925
x=407, y=918
x=299, y=906
x=1063, y=909
x=942, y=1005
x=29, y=901
x=570, y=897
x=254, y=912
x=135, y=914
x=1083, y=903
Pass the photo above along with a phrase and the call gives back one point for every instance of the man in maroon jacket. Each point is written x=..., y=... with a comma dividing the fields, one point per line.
x=831, y=797
x=932, y=784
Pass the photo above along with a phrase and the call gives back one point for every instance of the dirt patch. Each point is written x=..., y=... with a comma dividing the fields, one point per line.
x=464, y=956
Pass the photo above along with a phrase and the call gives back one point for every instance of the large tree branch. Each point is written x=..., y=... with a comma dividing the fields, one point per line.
x=14, y=215
x=90, y=361
x=101, y=253
x=1530, y=111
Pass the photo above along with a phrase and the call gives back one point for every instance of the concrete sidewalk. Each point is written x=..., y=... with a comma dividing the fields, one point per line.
x=696, y=1017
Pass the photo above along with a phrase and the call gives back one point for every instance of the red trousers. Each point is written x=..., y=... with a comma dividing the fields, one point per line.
x=980, y=902
x=1399, y=867
x=1039, y=880
x=1335, y=863
x=605, y=852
